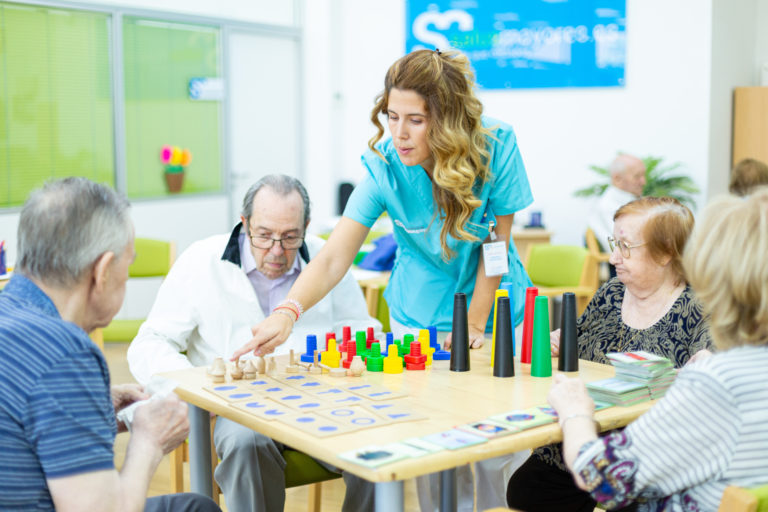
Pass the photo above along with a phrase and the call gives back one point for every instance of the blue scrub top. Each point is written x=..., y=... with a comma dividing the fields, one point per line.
x=421, y=288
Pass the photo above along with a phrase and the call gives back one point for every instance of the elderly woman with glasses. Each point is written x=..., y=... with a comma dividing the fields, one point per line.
x=647, y=306
x=711, y=428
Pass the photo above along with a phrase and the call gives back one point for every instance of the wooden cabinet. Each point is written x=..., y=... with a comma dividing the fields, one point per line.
x=750, y=123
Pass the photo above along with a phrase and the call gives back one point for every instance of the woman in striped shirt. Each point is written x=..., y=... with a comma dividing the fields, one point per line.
x=711, y=429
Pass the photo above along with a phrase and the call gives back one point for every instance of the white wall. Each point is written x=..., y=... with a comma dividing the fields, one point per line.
x=683, y=58
x=664, y=109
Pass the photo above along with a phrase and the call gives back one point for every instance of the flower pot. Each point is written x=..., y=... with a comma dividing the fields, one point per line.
x=174, y=180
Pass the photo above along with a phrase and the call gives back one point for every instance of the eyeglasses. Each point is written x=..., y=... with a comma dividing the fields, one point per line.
x=623, y=246
x=266, y=242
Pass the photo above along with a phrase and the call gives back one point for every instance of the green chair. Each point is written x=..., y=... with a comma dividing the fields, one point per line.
x=739, y=499
x=153, y=259
x=556, y=269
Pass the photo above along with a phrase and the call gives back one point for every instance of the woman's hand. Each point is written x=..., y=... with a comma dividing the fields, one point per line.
x=554, y=342
x=699, y=356
x=267, y=336
x=569, y=397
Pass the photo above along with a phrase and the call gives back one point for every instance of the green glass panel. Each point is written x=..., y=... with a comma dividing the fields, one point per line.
x=56, y=107
x=160, y=59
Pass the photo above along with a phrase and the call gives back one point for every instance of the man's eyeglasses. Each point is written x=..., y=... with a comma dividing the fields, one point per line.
x=266, y=242
x=623, y=246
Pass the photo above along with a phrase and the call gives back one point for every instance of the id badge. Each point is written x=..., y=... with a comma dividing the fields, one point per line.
x=495, y=258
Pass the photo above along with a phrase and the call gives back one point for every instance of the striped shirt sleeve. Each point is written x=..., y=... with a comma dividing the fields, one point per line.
x=684, y=440
x=71, y=420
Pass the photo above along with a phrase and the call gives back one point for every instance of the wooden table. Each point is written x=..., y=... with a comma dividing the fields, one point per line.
x=447, y=398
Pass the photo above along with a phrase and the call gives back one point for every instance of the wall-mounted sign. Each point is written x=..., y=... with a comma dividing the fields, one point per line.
x=208, y=89
x=516, y=44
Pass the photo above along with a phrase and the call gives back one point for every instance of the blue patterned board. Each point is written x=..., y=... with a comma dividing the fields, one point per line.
x=232, y=392
x=264, y=408
x=315, y=424
x=354, y=416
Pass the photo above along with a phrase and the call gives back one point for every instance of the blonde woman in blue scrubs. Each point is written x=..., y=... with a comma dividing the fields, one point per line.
x=450, y=180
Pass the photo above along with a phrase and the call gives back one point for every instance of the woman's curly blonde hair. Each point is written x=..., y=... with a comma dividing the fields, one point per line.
x=457, y=139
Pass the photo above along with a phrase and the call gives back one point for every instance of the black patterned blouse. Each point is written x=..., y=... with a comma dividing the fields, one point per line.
x=679, y=334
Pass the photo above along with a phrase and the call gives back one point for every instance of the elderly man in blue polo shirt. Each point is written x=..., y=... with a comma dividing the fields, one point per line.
x=57, y=412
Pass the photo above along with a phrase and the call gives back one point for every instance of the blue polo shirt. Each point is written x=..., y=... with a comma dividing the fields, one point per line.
x=421, y=288
x=56, y=413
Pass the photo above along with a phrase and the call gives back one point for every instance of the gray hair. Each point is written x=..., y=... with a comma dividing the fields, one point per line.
x=66, y=225
x=280, y=183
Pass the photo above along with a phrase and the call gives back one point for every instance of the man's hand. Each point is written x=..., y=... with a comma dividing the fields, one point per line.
x=267, y=336
x=163, y=423
x=476, y=339
x=124, y=395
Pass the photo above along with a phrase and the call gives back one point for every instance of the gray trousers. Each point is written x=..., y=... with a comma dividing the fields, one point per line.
x=185, y=502
x=251, y=472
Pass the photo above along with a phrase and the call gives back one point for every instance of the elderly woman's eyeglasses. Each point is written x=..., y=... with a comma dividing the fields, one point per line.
x=622, y=245
x=265, y=242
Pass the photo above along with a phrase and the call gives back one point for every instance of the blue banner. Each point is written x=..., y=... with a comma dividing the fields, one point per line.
x=516, y=44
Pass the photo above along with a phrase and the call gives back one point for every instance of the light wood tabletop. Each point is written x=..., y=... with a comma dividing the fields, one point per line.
x=446, y=398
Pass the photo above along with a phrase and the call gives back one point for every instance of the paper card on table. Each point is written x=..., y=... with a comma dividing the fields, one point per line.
x=296, y=380
x=302, y=402
x=261, y=383
x=524, y=418
x=328, y=392
x=373, y=391
x=394, y=411
x=454, y=439
x=373, y=455
x=315, y=424
x=264, y=408
x=289, y=395
x=344, y=399
x=545, y=409
x=357, y=417
x=489, y=429
x=421, y=444
x=232, y=392
x=310, y=386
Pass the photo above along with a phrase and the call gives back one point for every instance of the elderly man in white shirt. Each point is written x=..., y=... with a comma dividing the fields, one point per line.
x=216, y=291
x=627, y=182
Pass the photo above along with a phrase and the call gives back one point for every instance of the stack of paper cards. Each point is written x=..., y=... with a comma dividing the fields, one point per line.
x=656, y=372
x=488, y=428
x=523, y=419
x=454, y=439
x=618, y=391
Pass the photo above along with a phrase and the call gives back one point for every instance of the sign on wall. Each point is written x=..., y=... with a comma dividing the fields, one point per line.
x=526, y=43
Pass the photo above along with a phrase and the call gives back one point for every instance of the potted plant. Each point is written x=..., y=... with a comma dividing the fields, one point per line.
x=659, y=181
x=175, y=160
